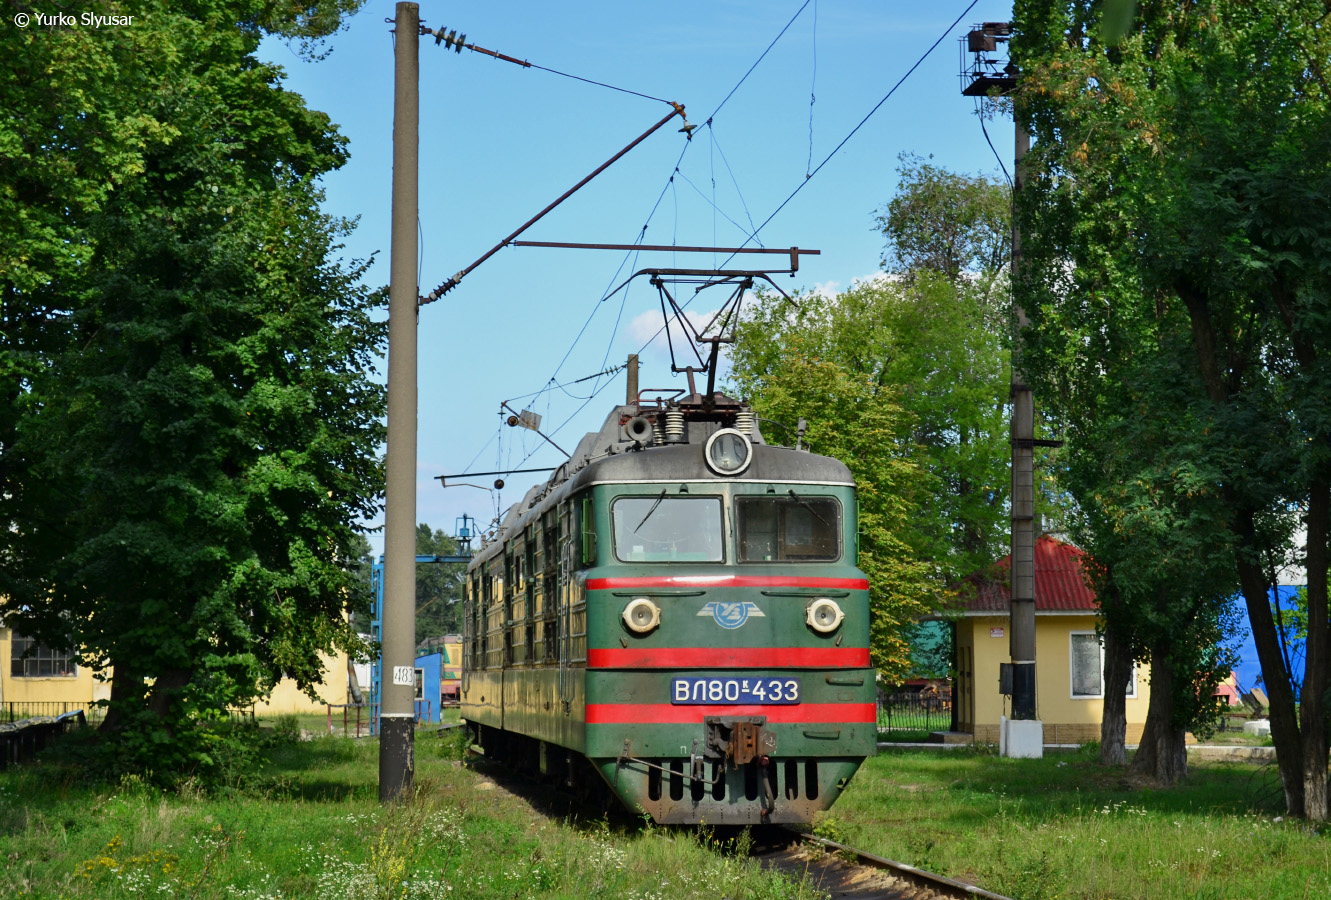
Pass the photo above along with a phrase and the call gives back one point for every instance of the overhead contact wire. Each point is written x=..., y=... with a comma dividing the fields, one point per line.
x=760, y=58
x=642, y=232
x=853, y=131
x=453, y=42
x=711, y=130
x=599, y=83
x=813, y=83
x=979, y=111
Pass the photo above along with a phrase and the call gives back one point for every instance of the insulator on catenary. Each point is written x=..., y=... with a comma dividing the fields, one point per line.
x=674, y=427
x=450, y=39
x=744, y=421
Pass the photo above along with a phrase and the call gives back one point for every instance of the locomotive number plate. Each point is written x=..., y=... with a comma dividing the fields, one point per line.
x=747, y=691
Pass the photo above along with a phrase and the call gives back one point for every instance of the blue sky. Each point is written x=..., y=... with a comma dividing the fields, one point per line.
x=499, y=142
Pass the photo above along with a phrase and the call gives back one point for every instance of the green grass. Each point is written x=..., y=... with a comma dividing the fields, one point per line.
x=1064, y=827
x=309, y=825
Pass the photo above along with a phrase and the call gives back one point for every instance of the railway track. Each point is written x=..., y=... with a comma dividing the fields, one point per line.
x=843, y=872
x=849, y=874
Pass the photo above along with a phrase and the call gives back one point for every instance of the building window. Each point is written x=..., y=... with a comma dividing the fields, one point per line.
x=28, y=659
x=1087, y=667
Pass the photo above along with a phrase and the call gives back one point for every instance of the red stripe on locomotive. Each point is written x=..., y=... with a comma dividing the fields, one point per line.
x=728, y=657
x=758, y=581
x=661, y=713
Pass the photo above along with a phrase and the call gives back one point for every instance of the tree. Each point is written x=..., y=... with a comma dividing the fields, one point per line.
x=438, y=586
x=955, y=225
x=931, y=649
x=194, y=431
x=782, y=369
x=943, y=340
x=904, y=378
x=1179, y=246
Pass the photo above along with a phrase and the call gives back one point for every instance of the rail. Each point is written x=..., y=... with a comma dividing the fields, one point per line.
x=918, y=879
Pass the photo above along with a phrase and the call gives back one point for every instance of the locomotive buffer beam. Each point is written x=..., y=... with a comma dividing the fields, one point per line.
x=739, y=742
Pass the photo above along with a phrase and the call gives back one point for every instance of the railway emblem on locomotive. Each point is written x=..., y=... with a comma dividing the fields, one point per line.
x=731, y=615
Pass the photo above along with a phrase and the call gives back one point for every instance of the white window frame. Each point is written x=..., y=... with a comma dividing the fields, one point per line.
x=55, y=655
x=1132, y=679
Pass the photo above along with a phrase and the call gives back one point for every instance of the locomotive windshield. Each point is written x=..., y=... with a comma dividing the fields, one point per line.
x=792, y=528
x=668, y=529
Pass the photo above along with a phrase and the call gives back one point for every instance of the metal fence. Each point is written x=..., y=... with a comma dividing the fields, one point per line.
x=23, y=739
x=363, y=719
x=908, y=711
x=19, y=709
x=355, y=718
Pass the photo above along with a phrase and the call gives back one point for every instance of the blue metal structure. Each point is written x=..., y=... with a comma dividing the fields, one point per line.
x=429, y=670
x=1249, y=670
x=466, y=529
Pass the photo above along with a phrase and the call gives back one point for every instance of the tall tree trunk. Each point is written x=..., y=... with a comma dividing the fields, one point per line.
x=1312, y=698
x=1275, y=675
x=1279, y=689
x=124, y=686
x=1114, y=719
x=1163, y=753
x=165, y=696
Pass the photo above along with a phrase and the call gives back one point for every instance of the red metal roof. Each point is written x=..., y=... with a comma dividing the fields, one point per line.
x=1060, y=583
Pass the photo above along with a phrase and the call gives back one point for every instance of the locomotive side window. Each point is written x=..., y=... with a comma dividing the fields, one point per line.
x=668, y=529
x=788, y=529
x=587, y=524
x=495, y=613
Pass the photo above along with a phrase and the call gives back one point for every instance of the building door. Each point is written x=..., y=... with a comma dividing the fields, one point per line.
x=965, y=698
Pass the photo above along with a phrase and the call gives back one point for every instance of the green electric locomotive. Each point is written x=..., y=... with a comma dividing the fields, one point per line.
x=678, y=610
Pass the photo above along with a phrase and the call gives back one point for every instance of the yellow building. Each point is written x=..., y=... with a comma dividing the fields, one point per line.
x=48, y=683
x=287, y=698
x=1069, y=661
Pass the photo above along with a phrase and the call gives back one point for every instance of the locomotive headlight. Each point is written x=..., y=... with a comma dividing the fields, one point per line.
x=728, y=452
x=642, y=615
x=824, y=615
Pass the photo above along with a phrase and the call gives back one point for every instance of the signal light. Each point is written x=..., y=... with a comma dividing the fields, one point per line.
x=642, y=615
x=823, y=615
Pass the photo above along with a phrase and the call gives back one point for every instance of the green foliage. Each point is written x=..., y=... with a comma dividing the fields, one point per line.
x=905, y=379
x=1177, y=291
x=855, y=420
x=360, y=593
x=285, y=730
x=438, y=586
x=191, y=431
x=829, y=827
x=947, y=223
x=930, y=650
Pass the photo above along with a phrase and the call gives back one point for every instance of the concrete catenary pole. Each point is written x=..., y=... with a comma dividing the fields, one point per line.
x=1022, y=626
x=396, y=724
x=987, y=76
